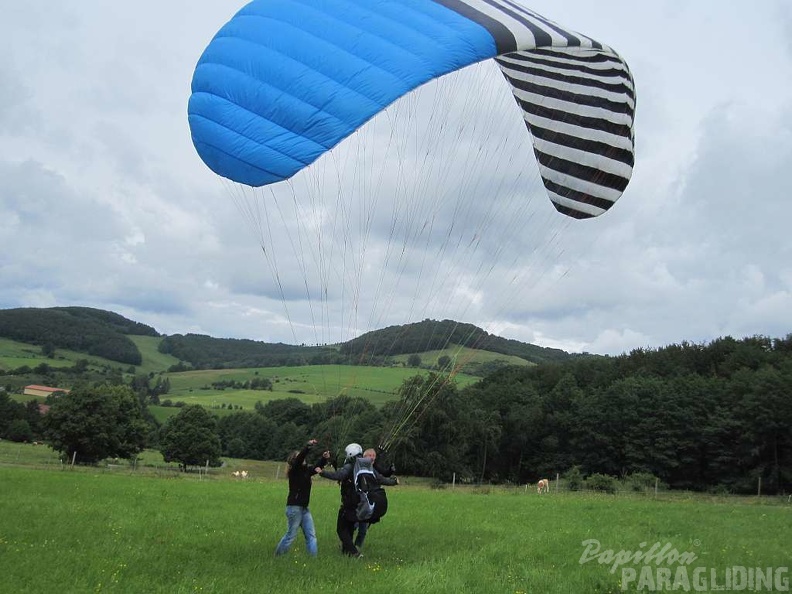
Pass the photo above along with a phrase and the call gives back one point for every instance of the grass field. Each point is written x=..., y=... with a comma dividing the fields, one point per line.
x=15, y=354
x=461, y=355
x=152, y=530
x=310, y=383
x=153, y=360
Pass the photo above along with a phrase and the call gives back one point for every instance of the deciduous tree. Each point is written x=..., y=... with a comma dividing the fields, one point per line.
x=96, y=422
x=190, y=438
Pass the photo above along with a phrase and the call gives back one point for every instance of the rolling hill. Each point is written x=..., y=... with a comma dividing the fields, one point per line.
x=431, y=335
x=113, y=337
x=64, y=346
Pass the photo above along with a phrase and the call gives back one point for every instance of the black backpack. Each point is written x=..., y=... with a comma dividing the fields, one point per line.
x=372, y=500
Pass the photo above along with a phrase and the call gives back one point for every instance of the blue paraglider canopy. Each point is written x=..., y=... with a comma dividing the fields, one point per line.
x=284, y=81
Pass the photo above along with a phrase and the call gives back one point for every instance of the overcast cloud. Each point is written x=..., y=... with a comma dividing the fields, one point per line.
x=105, y=203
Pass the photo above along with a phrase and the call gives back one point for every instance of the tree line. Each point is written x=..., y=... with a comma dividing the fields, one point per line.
x=206, y=352
x=694, y=416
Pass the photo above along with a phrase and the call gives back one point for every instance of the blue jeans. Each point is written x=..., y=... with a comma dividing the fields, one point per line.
x=362, y=529
x=298, y=517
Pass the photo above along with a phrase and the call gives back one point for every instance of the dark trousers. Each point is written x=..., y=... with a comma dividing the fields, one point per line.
x=345, y=528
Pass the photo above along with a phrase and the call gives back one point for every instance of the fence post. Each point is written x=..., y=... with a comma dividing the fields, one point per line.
x=656, y=481
x=759, y=488
x=277, y=472
x=453, y=480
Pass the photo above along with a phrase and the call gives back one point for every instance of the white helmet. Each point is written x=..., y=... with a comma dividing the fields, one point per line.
x=353, y=449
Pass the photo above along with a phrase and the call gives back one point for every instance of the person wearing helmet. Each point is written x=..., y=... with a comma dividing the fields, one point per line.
x=297, y=513
x=353, y=450
x=386, y=471
x=347, y=513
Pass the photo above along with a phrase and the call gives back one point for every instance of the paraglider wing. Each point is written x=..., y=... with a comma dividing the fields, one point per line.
x=284, y=81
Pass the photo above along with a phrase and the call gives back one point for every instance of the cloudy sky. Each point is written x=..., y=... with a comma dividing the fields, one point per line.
x=105, y=203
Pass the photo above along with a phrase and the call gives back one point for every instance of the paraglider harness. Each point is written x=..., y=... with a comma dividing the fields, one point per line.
x=372, y=499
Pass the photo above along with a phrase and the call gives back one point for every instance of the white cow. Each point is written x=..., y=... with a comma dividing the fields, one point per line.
x=543, y=486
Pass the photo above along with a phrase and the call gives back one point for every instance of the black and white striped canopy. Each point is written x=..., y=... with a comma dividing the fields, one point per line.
x=577, y=98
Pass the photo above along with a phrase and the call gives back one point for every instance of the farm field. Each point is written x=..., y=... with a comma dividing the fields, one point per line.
x=311, y=383
x=104, y=529
x=14, y=354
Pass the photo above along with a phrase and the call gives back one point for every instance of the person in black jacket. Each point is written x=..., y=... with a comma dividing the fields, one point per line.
x=347, y=513
x=362, y=527
x=297, y=513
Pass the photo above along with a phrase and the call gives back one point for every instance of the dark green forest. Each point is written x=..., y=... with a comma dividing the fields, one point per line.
x=206, y=352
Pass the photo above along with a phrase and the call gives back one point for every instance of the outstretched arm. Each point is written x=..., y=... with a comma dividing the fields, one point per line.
x=339, y=475
x=388, y=481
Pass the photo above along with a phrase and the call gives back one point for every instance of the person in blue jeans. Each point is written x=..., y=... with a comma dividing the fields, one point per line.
x=297, y=513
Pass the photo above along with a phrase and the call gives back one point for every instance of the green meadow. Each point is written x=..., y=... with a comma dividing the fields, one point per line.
x=151, y=529
x=14, y=354
x=153, y=360
x=310, y=383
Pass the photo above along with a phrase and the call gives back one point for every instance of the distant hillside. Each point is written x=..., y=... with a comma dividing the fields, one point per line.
x=107, y=334
x=432, y=335
x=205, y=352
x=83, y=329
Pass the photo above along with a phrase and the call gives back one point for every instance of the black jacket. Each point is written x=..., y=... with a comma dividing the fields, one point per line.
x=300, y=479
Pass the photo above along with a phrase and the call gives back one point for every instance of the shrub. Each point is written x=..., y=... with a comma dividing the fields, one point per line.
x=19, y=431
x=601, y=482
x=720, y=490
x=642, y=481
x=574, y=478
